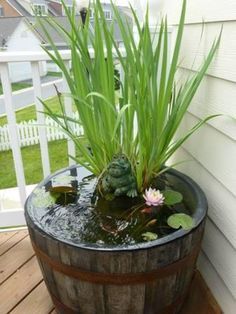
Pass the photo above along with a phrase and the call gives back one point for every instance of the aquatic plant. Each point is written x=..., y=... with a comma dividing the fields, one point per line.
x=142, y=119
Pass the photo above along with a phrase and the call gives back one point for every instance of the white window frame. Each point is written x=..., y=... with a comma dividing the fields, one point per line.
x=91, y=14
x=38, y=7
x=108, y=14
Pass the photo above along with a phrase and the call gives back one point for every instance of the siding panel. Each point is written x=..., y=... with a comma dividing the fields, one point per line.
x=202, y=10
x=195, y=48
x=221, y=254
x=221, y=202
x=213, y=98
x=217, y=153
x=218, y=288
x=213, y=148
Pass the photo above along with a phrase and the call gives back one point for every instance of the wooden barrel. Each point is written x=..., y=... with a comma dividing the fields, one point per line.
x=145, y=279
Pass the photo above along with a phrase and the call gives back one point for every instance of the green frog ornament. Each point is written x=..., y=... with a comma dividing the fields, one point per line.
x=119, y=179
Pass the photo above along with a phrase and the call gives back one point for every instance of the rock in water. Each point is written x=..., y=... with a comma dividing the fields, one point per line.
x=119, y=179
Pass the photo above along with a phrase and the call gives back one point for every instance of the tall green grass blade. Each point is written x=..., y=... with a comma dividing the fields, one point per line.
x=149, y=97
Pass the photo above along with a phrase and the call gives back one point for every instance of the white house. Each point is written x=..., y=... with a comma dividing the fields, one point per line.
x=16, y=34
x=39, y=6
x=211, y=152
x=23, y=34
x=32, y=7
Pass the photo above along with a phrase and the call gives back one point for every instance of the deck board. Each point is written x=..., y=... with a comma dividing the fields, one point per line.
x=19, y=285
x=15, y=258
x=38, y=301
x=12, y=241
x=5, y=236
x=22, y=289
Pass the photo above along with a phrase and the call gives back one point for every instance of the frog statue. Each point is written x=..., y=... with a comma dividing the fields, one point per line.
x=119, y=179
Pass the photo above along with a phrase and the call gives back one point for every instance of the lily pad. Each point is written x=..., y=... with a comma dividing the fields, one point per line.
x=172, y=197
x=149, y=236
x=180, y=220
x=43, y=199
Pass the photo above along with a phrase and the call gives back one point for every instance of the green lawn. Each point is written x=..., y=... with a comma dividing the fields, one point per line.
x=54, y=74
x=31, y=155
x=16, y=86
x=22, y=85
x=29, y=113
x=32, y=163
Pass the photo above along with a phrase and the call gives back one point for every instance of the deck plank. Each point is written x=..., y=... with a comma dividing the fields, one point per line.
x=38, y=302
x=19, y=285
x=15, y=258
x=4, y=236
x=23, y=290
x=12, y=241
x=200, y=300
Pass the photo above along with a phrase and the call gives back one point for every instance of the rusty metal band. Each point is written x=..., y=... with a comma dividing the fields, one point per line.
x=169, y=309
x=119, y=278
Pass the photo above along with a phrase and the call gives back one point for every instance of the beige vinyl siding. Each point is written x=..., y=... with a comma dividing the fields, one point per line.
x=211, y=153
x=202, y=10
x=212, y=94
x=224, y=66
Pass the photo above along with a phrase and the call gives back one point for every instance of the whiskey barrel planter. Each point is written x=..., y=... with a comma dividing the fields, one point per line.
x=147, y=278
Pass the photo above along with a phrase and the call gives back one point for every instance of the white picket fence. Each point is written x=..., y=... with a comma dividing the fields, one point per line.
x=29, y=132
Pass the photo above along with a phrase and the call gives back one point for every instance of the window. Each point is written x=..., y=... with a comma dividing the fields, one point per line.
x=91, y=14
x=40, y=9
x=1, y=11
x=107, y=14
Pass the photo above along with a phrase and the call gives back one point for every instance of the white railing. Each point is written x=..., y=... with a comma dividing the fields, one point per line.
x=25, y=97
x=34, y=58
x=15, y=216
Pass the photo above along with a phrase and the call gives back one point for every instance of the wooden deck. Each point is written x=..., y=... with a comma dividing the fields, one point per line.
x=22, y=289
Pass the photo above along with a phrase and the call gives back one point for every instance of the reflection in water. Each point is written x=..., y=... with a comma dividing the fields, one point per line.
x=68, y=207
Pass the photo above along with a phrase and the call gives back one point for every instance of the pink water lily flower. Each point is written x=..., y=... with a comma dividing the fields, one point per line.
x=153, y=197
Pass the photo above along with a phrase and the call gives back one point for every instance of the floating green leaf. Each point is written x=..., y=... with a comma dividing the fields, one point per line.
x=149, y=236
x=172, y=197
x=43, y=199
x=180, y=220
